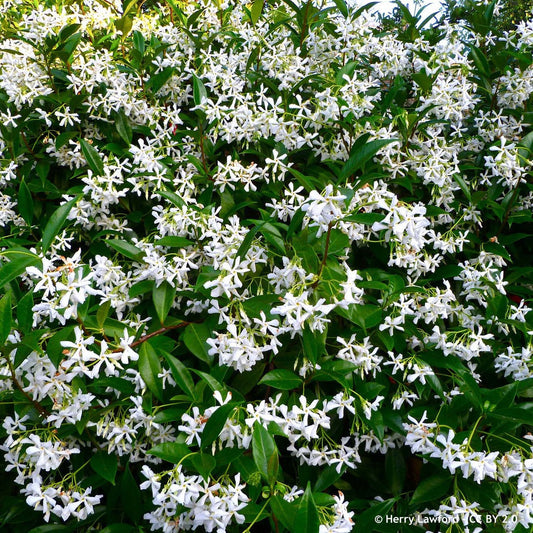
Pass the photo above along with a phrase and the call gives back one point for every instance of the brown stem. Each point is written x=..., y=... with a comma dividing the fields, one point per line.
x=16, y=382
x=160, y=331
x=25, y=141
x=304, y=30
x=275, y=520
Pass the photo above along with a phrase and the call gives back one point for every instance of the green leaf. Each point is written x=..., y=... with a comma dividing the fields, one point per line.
x=94, y=160
x=181, y=375
x=256, y=9
x=215, y=423
x=203, y=463
x=103, y=313
x=209, y=380
x=342, y=7
x=5, y=318
x=123, y=126
x=198, y=90
x=54, y=349
x=311, y=345
x=125, y=248
x=284, y=511
x=51, y=528
x=158, y=80
x=327, y=477
x=105, y=466
x=395, y=470
x=67, y=31
x=366, y=316
x=464, y=187
x=25, y=202
x=138, y=42
x=248, y=239
x=141, y=287
x=163, y=297
x=172, y=197
x=366, y=521
x=306, y=520
x=150, y=368
x=281, y=379
x=18, y=262
x=195, y=338
x=364, y=218
x=131, y=496
x=361, y=154
x=265, y=453
x=431, y=488
x=173, y=242
x=55, y=224
x=25, y=312
x=172, y=452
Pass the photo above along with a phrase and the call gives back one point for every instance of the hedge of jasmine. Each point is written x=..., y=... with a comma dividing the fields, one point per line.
x=264, y=267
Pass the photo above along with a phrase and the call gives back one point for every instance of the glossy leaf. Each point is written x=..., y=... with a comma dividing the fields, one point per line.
x=265, y=453
x=150, y=368
x=55, y=223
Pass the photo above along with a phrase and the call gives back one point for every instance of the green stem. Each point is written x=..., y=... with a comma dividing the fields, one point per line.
x=247, y=530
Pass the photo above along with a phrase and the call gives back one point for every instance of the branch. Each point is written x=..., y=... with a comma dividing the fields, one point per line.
x=160, y=331
x=42, y=411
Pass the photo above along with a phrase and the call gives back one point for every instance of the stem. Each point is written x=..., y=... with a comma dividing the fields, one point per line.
x=304, y=31
x=160, y=331
x=247, y=530
x=275, y=520
x=474, y=430
x=16, y=382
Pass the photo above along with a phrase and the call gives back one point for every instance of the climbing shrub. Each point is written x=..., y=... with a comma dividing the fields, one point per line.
x=264, y=267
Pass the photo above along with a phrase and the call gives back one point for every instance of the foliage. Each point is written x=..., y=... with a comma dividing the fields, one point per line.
x=264, y=267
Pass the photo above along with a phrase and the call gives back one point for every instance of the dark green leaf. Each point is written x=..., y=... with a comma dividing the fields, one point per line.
x=284, y=511
x=54, y=349
x=150, y=368
x=25, y=312
x=173, y=242
x=105, y=466
x=195, y=337
x=55, y=223
x=125, y=248
x=281, y=379
x=203, y=463
x=198, y=90
x=93, y=158
x=431, y=488
x=163, y=298
x=306, y=520
x=265, y=453
x=158, y=80
x=138, y=42
x=215, y=423
x=5, y=318
x=362, y=154
x=172, y=452
x=181, y=375
x=123, y=126
x=25, y=202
